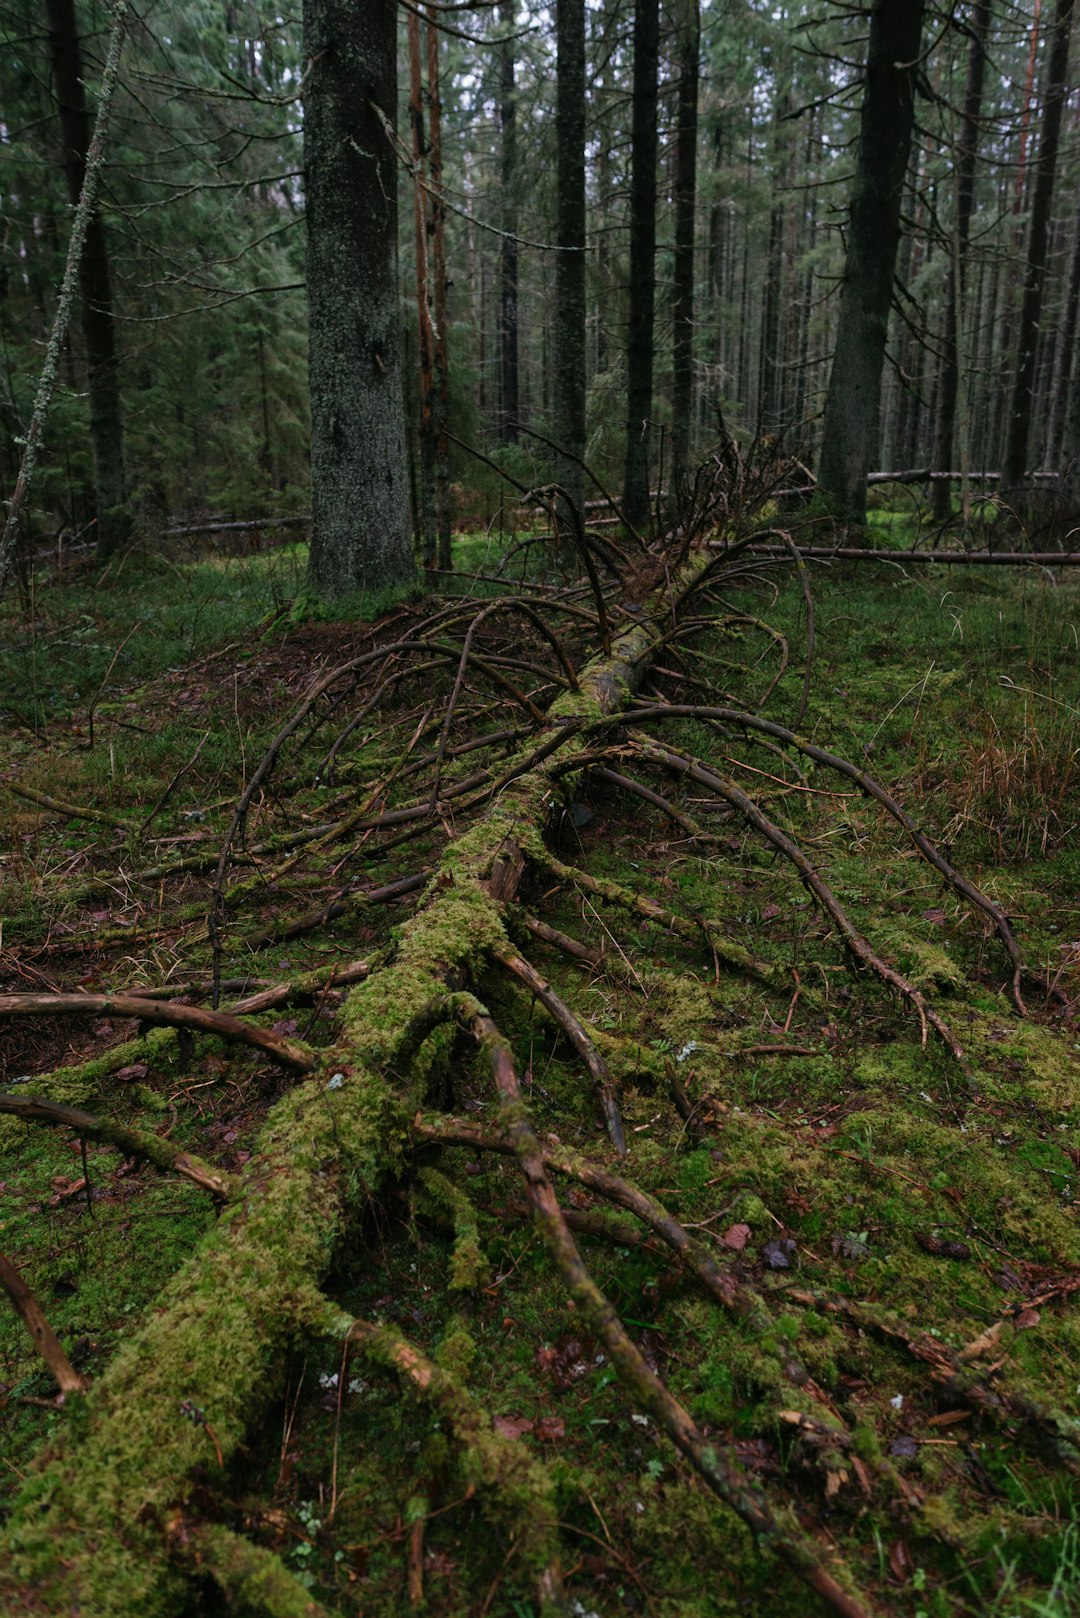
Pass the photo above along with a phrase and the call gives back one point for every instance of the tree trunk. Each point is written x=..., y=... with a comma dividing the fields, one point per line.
x=570, y=261
x=437, y=272
x=639, y=352
x=359, y=490
x=689, y=51
x=95, y=290
x=509, y=416
x=421, y=238
x=887, y=119
x=967, y=153
x=1065, y=358
x=1016, y=444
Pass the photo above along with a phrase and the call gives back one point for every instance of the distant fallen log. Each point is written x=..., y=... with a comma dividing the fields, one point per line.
x=855, y=553
x=247, y=526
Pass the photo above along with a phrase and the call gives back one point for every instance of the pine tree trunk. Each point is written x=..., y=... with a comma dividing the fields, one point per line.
x=689, y=53
x=437, y=272
x=640, y=341
x=95, y=289
x=1019, y=428
x=887, y=120
x=509, y=415
x=359, y=489
x=967, y=153
x=421, y=239
x=1064, y=358
x=569, y=340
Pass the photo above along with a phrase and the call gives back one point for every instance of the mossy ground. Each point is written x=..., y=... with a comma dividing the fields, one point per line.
x=828, y=1152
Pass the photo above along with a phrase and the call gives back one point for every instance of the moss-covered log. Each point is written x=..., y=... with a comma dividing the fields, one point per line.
x=90, y=1530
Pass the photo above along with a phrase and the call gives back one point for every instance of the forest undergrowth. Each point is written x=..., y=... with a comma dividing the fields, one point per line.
x=650, y=1184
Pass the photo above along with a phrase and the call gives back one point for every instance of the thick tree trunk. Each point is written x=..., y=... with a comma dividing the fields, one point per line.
x=95, y=289
x=689, y=53
x=1019, y=428
x=570, y=262
x=639, y=351
x=359, y=490
x=510, y=412
x=887, y=120
x=967, y=153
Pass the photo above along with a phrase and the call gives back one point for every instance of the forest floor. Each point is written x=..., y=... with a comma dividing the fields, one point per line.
x=878, y=1196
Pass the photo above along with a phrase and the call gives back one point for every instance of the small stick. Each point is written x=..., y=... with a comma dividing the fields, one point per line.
x=44, y=1338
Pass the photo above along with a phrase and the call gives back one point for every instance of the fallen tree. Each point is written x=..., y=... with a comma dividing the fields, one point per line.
x=118, y=1516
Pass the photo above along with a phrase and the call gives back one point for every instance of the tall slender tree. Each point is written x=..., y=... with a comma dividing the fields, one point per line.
x=509, y=378
x=967, y=152
x=1056, y=89
x=686, y=139
x=886, y=122
x=95, y=286
x=640, y=336
x=570, y=260
x=359, y=488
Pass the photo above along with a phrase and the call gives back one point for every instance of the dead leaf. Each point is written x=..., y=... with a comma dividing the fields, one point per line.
x=899, y=1561
x=983, y=1344
x=1026, y=1318
x=834, y=1482
x=136, y=1070
x=512, y=1426
x=859, y=1469
x=550, y=1428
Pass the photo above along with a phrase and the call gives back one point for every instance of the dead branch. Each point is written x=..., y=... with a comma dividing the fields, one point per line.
x=44, y=1338
x=858, y=946
x=575, y=1032
x=719, y=1471
x=156, y=1012
x=132, y=1142
x=873, y=789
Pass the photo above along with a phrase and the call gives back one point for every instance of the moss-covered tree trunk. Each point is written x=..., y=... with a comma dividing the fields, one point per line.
x=886, y=124
x=360, y=539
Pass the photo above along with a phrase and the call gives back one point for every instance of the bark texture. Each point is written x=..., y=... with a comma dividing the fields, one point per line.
x=887, y=120
x=359, y=488
x=689, y=50
x=1019, y=430
x=570, y=262
x=639, y=352
x=949, y=374
x=95, y=288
